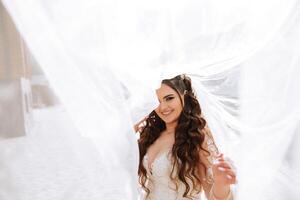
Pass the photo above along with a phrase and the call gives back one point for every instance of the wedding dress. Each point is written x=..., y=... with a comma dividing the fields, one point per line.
x=161, y=186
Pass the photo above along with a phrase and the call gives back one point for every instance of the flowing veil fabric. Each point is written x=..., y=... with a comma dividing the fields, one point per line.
x=104, y=60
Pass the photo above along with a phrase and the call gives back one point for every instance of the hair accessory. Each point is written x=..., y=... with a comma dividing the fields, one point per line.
x=182, y=76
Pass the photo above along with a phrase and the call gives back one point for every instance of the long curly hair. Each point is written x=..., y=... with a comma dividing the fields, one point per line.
x=189, y=137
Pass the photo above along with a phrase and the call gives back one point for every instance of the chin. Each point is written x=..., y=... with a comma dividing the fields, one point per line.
x=168, y=121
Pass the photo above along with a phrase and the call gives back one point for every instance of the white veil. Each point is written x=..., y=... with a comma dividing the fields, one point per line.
x=104, y=60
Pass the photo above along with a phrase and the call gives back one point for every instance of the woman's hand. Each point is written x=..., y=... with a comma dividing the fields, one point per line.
x=138, y=127
x=224, y=175
x=223, y=171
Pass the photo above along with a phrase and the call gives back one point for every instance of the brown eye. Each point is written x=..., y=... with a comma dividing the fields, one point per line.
x=169, y=98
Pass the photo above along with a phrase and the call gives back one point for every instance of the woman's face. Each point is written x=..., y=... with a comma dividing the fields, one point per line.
x=170, y=106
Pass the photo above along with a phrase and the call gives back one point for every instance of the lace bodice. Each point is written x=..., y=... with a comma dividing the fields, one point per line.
x=163, y=188
x=159, y=182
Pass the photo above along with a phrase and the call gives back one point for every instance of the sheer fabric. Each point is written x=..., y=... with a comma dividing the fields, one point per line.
x=105, y=58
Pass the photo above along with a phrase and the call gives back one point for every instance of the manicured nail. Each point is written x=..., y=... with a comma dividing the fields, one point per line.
x=229, y=177
x=220, y=155
x=221, y=169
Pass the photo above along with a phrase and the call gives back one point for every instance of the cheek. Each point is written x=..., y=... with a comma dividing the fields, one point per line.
x=157, y=110
x=177, y=107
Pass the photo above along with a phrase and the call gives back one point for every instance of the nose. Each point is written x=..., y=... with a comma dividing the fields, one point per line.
x=163, y=107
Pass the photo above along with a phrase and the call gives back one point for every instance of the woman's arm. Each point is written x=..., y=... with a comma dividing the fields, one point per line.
x=223, y=176
x=219, y=175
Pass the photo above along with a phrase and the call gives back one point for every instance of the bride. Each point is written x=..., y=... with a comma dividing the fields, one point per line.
x=178, y=156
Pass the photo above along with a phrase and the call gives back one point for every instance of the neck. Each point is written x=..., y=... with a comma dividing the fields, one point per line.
x=170, y=127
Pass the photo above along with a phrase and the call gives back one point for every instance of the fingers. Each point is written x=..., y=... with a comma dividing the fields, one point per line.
x=226, y=175
x=230, y=179
x=138, y=127
x=225, y=162
x=220, y=155
x=142, y=121
x=224, y=169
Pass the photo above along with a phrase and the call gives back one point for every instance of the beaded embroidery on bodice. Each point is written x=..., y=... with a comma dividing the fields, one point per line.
x=159, y=181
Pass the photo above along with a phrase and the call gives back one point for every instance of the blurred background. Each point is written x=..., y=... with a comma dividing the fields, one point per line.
x=24, y=87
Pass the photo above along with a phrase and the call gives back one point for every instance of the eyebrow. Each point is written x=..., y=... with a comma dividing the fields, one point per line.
x=169, y=95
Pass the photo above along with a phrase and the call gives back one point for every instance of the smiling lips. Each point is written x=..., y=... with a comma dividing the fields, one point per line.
x=166, y=113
